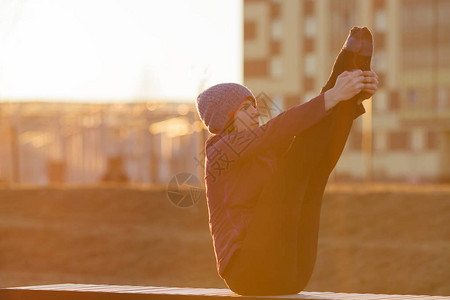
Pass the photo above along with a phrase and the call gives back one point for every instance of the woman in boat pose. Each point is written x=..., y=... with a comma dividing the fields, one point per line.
x=265, y=183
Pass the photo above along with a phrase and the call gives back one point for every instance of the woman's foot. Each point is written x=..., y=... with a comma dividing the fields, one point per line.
x=359, y=41
x=353, y=43
x=356, y=53
x=367, y=43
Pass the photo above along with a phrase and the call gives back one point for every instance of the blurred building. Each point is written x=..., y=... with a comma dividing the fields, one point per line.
x=68, y=143
x=289, y=50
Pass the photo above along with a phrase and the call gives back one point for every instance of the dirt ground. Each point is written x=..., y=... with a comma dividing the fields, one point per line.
x=376, y=239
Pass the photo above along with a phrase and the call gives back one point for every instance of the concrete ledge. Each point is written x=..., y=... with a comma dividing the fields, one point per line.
x=71, y=291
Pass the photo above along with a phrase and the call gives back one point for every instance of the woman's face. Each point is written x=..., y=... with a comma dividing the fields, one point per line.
x=246, y=116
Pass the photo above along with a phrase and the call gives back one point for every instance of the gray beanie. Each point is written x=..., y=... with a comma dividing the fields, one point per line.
x=217, y=104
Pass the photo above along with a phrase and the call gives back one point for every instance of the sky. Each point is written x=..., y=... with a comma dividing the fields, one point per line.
x=117, y=50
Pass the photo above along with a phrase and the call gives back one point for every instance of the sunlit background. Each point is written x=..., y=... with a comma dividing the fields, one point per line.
x=90, y=89
x=90, y=58
x=117, y=50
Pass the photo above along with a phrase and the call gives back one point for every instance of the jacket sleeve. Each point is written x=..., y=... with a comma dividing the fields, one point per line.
x=281, y=129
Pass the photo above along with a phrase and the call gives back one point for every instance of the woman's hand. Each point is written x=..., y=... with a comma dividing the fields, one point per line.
x=370, y=84
x=349, y=84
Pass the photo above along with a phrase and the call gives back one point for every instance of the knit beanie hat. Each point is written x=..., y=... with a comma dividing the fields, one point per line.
x=217, y=104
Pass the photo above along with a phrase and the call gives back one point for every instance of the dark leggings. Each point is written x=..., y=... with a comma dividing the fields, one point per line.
x=279, y=251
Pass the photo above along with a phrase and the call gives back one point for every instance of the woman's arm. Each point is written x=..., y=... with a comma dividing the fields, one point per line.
x=370, y=85
x=247, y=143
x=350, y=83
x=242, y=145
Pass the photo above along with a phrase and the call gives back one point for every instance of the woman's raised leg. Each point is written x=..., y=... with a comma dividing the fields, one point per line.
x=335, y=135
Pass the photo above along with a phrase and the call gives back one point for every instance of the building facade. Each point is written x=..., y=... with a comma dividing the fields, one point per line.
x=289, y=50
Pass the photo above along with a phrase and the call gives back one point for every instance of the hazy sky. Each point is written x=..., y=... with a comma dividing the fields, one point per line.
x=118, y=50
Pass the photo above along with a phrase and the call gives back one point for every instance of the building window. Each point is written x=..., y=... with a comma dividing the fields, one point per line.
x=394, y=101
x=276, y=30
x=379, y=61
x=309, y=84
x=413, y=97
x=380, y=21
x=417, y=139
x=431, y=140
x=310, y=64
x=399, y=140
x=442, y=99
x=355, y=140
x=276, y=67
x=380, y=102
x=308, y=44
x=249, y=30
x=275, y=9
x=256, y=68
x=379, y=3
x=310, y=26
x=275, y=47
x=308, y=7
x=444, y=49
x=379, y=40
